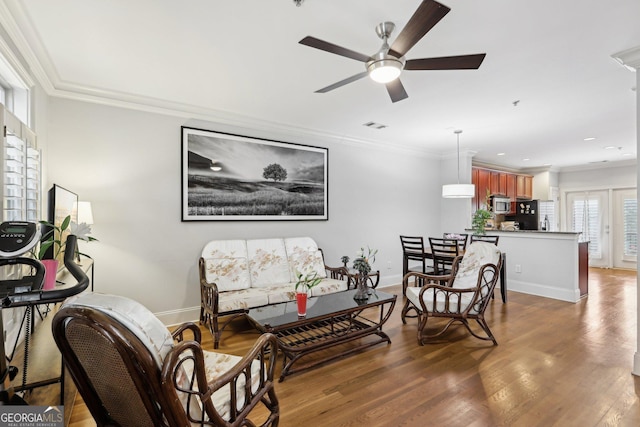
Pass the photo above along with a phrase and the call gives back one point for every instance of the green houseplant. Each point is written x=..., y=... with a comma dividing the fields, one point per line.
x=56, y=237
x=56, y=240
x=479, y=221
x=480, y=217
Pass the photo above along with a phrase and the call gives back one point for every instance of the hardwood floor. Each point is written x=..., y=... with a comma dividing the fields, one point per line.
x=557, y=364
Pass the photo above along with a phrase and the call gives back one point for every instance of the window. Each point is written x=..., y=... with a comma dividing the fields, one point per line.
x=15, y=84
x=630, y=225
x=586, y=219
x=548, y=209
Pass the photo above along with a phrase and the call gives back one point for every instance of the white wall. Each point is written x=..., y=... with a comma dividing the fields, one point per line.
x=622, y=175
x=127, y=163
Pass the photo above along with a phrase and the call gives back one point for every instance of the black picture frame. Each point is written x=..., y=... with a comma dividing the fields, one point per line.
x=61, y=203
x=227, y=177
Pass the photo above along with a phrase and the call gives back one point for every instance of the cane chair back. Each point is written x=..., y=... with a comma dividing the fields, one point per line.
x=130, y=372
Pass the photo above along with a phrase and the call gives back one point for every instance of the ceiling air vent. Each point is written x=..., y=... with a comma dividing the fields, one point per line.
x=374, y=125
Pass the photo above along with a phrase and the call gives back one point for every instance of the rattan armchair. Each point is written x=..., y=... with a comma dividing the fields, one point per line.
x=459, y=297
x=131, y=371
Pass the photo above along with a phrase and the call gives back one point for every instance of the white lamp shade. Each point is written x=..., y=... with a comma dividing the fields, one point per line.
x=384, y=70
x=458, y=191
x=84, y=213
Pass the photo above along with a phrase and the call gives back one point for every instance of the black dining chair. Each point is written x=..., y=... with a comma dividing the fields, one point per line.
x=461, y=238
x=413, y=250
x=443, y=251
x=484, y=238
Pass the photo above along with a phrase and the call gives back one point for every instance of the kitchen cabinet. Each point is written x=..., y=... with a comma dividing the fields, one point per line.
x=499, y=183
x=514, y=186
x=511, y=186
x=524, y=187
x=483, y=184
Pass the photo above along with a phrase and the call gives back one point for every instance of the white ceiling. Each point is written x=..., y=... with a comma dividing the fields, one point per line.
x=242, y=59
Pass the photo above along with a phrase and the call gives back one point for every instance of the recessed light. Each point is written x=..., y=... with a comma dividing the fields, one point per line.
x=627, y=154
x=609, y=147
x=525, y=160
x=501, y=154
x=589, y=138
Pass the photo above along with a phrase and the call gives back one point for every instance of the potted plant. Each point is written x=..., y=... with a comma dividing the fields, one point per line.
x=480, y=217
x=303, y=284
x=345, y=260
x=479, y=221
x=362, y=264
x=55, y=239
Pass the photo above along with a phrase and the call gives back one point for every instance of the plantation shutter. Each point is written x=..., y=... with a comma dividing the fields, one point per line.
x=586, y=219
x=630, y=215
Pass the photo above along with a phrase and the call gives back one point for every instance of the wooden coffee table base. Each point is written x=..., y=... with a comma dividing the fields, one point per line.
x=304, y=336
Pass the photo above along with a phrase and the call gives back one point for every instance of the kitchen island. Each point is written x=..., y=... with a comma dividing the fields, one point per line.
x=545, y=263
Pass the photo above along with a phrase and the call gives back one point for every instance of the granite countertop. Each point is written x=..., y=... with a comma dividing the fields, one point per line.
x=528, y=231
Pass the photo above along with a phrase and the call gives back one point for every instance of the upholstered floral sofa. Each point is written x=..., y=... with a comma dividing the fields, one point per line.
x=236, y=275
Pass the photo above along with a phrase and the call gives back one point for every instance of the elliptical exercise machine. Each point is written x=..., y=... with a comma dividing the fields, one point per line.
x=18, y=238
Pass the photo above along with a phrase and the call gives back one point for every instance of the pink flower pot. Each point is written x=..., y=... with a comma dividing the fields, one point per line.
x=50, y=270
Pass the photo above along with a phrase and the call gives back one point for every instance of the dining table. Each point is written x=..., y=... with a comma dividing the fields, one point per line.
x=427, y=254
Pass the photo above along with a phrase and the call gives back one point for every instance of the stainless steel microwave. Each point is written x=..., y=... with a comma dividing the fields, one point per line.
x=501, y=205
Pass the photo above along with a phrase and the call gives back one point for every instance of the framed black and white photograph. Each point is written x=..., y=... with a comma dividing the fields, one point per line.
x=229, y=177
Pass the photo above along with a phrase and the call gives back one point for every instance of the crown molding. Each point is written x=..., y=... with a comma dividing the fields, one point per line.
x=36, y=72
x=629, y=58
x=131, y=101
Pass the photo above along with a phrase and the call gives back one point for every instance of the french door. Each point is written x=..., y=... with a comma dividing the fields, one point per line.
x=625, y=229
x=608, y=220
x=588, y=213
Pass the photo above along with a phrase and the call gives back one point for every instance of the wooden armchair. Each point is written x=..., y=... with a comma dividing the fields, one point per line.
x=130, y=372
x=463, y=296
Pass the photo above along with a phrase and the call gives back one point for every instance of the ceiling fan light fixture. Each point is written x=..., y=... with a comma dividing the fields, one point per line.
x=384, y=70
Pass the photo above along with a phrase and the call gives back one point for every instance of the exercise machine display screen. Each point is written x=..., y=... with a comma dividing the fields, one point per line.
x=17, y=237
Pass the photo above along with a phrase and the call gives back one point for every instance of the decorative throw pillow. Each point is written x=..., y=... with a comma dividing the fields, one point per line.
x=226, y=264
x=304, y=256
x=268, y=263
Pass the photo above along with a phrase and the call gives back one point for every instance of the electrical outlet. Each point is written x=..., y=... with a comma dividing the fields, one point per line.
x=388, y=265
x=518, y=268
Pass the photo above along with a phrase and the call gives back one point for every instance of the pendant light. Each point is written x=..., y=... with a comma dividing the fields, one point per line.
x=458, y=191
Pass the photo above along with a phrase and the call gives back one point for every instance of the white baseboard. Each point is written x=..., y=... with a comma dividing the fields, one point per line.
x=543, y=290
x=177, y=317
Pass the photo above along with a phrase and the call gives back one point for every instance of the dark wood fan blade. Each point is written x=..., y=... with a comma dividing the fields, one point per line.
x=462, y=62
x=428, y=14
x=333, y=48
x=343, y=82
x=396, y=90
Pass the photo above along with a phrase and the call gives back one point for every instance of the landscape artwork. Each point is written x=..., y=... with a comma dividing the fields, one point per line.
x=231, y=177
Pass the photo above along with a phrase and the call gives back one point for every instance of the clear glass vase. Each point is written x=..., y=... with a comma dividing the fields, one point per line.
x=362, y=293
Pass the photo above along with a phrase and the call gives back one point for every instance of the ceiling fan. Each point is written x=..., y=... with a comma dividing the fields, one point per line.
x=386, y=65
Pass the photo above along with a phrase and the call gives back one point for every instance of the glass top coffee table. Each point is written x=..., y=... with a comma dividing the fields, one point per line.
x=331, y=320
